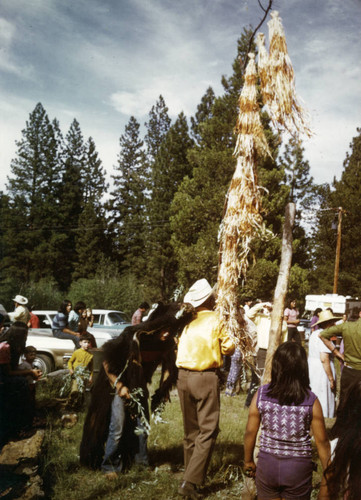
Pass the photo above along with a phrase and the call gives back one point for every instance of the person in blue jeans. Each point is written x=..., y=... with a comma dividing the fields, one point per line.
x=60, y=326
x=113, y=459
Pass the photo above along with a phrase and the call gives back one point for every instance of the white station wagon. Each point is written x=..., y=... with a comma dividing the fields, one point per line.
x=52, y=353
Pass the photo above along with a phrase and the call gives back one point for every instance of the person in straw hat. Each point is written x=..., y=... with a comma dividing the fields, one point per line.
x=200, y=349
x=350, y=331
x=321, y=366
x=21, y=312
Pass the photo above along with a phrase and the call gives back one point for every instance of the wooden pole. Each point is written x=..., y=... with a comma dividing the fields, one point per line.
x=280, y=290
x=338, y=251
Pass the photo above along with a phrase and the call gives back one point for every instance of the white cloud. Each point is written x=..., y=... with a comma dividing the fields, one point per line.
x=7, y=30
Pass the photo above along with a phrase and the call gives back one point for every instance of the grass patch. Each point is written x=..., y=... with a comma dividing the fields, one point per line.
x=65, y=478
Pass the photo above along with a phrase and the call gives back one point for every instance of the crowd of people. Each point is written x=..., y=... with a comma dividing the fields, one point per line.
x=18, y=375
x=288, y=410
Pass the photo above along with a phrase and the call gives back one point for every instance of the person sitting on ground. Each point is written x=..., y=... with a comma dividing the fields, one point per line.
x=21, y=312
x=60, y=327
x=343, y=472
x=137, y=316
x=287, y=410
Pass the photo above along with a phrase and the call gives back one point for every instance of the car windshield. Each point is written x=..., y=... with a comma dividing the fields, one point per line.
x=117, y=317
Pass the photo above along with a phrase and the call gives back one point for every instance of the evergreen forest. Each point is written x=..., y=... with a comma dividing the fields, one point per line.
x=65, y=232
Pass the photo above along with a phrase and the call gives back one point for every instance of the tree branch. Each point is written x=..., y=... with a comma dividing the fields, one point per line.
x=266, y=11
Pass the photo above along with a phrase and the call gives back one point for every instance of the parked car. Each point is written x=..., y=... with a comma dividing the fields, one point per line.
x=111, y=320
x=53, y=353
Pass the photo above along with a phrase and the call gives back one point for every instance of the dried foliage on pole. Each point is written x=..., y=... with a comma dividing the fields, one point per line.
x=242, y=218
x=278, y=81
x=263, y=71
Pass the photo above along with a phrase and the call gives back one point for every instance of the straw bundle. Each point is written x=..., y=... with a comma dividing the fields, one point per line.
x=278, y=83
x=263, y=71
x=242, y=217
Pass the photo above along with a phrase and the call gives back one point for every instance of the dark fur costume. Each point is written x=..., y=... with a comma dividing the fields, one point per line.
x=140, y=348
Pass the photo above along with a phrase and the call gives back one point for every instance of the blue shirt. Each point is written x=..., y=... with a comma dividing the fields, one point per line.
x=60, y=322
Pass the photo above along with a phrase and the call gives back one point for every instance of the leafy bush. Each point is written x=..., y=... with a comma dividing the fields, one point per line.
x=109, y=289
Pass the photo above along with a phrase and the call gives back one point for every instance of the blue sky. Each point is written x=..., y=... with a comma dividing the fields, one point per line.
x=101, y=61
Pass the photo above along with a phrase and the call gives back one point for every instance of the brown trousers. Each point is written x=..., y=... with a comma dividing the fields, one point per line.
x=199, y=396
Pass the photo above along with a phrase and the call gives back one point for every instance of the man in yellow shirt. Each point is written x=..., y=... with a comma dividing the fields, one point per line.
x=200, y=351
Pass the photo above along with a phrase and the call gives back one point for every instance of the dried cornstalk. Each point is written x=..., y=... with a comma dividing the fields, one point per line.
x=263, y=71
x=242, y=219
x=284, y=106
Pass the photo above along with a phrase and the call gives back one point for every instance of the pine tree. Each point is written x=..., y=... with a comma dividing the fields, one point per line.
x=170, y=167
x=93, y=178
x=198, y=204
x=91, y=241
x=71, y=200
x=197, y=208
x=157, y=128
x=297, y=171
x=33, y=189
x=346, y=193
x=204, y=112
x=127, y=200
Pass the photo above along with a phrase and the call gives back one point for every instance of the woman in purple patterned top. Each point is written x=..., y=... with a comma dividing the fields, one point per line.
x=287, y=410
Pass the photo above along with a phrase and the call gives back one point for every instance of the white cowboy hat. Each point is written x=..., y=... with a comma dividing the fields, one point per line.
x=19, y=299
x=198, y=293
x=326, y=316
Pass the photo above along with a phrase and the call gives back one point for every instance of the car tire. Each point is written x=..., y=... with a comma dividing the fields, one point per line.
x=44, y=363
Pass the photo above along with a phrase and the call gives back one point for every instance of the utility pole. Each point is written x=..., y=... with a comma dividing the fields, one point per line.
x=338, y=251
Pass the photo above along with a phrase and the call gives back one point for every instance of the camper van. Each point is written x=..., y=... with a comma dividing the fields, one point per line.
x=339, y=304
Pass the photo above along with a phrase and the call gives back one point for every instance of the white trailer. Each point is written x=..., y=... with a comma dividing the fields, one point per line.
x=336, y=302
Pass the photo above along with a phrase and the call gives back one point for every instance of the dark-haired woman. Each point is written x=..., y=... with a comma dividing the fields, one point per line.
x=314, y=319
x=291, y=317
x=343, y=473
x=60, y=326
x=287, y=410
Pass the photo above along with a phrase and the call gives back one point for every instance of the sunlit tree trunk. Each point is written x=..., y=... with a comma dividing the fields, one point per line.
x=281, y=290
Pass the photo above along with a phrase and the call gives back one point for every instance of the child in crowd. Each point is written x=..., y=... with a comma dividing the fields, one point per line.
x=80, y=358
x=87, y=319
x=27, y=364
x=287, y=410
x=343, y=473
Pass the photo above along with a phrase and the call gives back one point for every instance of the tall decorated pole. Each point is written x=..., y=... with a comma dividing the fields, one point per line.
x=242, y=219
